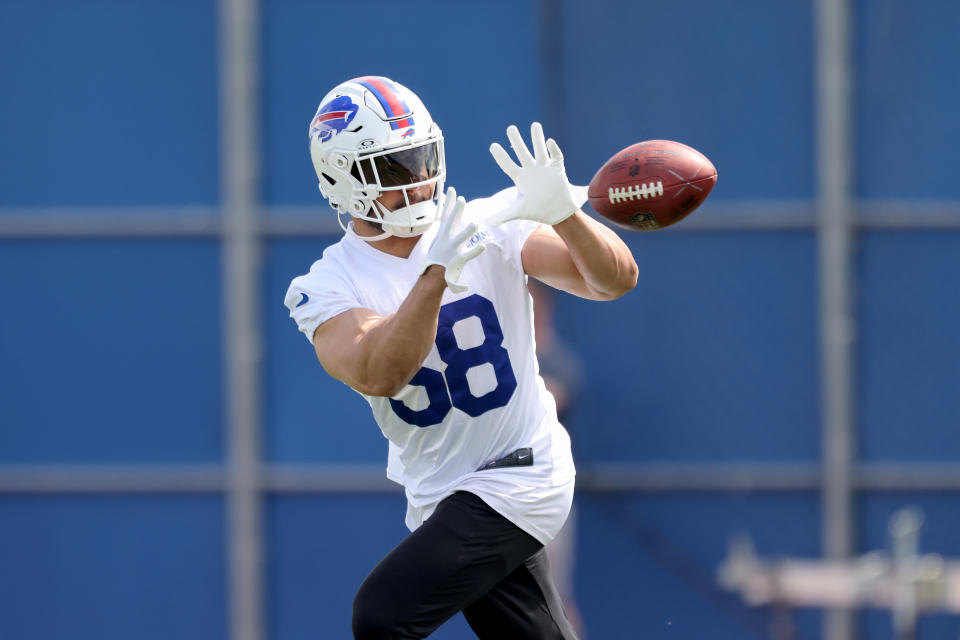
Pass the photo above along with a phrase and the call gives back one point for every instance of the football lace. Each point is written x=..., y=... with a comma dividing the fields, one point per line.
x=621, y=194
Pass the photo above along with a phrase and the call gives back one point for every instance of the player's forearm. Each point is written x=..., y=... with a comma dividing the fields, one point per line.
x=394, y=349
x=601, y=257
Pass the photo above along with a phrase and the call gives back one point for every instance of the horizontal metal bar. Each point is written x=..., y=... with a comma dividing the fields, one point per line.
x=699, y=477
x=891, y=476
x=726, y=477
x=320, y=220
x=112, y=479
x=868, y=476
x=329, y=479
x=754, y=215
x=82, y=223
x=906, y=214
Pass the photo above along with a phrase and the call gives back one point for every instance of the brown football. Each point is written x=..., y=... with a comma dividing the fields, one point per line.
x=651, y=185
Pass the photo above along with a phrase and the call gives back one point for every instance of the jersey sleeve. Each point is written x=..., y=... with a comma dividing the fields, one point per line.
x=317, y=296
x=509, y=236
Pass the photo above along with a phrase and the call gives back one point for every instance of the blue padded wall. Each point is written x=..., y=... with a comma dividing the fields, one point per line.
x=89, y=568
x=909, y=346
x=108, y=103
x=711, y=357
x=110, y=351
x=906, y=99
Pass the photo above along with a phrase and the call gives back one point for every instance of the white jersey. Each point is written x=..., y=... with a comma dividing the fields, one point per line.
x=478, y=395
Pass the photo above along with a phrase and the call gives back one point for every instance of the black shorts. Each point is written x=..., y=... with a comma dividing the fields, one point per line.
x=465, y=557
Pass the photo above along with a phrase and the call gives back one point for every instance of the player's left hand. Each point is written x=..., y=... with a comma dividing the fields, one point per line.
x=544, y=193
x=449, y=248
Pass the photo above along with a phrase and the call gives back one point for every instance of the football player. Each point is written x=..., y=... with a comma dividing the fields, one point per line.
x=423, y=308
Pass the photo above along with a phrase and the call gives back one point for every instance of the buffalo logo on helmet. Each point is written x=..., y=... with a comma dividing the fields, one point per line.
x=333, y=117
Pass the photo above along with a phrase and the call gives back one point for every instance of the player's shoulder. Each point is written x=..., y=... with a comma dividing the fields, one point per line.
x=330, y=263
x=330, y=272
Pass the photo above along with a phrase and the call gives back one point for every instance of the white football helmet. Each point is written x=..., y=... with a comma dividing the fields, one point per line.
x=372, y=136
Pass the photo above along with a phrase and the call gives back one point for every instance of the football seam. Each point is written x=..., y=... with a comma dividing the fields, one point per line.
x=642, y=190
x=636, y=191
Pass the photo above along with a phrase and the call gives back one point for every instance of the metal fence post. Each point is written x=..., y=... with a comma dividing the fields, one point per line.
x=239, y=61
x=834, y=163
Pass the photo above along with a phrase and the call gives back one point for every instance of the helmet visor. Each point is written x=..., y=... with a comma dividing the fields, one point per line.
x=412, y=166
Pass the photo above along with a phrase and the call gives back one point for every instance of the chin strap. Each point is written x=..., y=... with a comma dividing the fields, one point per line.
x=382, y=236
x=347, y=227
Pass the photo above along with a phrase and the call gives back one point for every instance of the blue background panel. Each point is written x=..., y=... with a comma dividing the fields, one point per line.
x=646, y=564
x=906, y=100
x=743, y=96
x=310, y=417
x=909, y=345
x=941, y=513
x=476, y=71
x=112, y=567
x=110, y=351
x=711, y=357
x=108, y=103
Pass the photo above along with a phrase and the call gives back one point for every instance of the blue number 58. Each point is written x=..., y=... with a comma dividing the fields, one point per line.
x=451, y=388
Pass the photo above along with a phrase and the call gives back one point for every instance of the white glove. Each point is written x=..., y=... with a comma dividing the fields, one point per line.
x=449, y=248
x=545, y=195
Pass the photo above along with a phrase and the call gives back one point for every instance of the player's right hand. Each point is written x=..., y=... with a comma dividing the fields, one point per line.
x=545, y=194
x=449, y=248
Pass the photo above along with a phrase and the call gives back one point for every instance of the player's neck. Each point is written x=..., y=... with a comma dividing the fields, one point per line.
x=400, y=247
x=393, y=245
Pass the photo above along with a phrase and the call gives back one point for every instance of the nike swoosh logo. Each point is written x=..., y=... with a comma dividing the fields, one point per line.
x=303, y=300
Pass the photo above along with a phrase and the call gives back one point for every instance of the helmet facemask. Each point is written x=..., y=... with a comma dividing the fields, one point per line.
x=415, y=174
